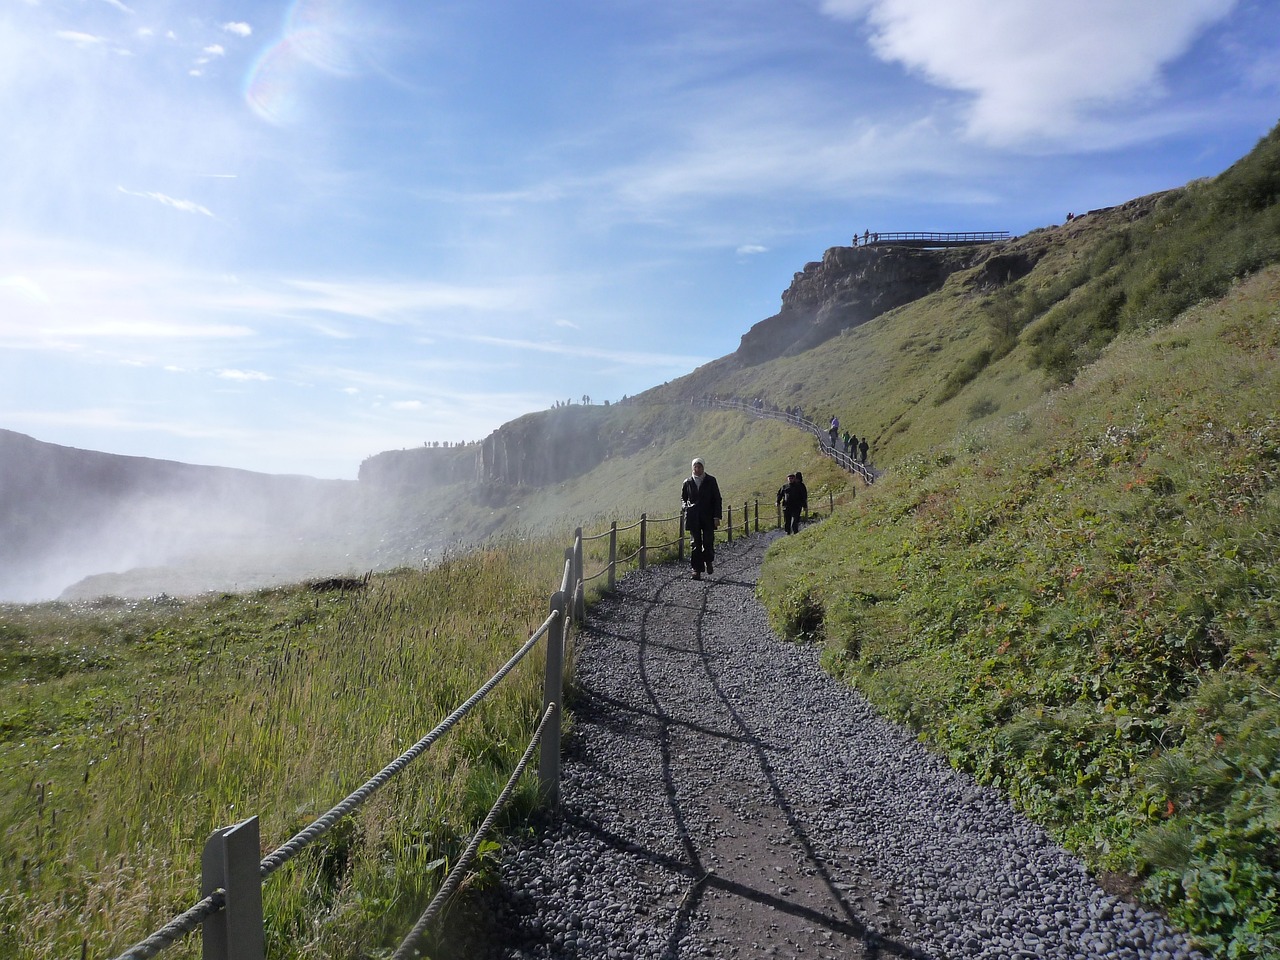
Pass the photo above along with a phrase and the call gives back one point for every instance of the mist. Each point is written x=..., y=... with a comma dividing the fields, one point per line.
x=76, y=524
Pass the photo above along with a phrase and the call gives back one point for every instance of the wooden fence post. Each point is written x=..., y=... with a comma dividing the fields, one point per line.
x=644, y=549
x=230, y=862
x=680, y=538
x=613, y=552
x=730, y=525
x=579, y=585
x=553, y=680
x=757, y=503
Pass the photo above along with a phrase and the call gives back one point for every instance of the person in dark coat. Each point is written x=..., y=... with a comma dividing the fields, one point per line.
x=700, y=499
x=792, y=497
x=862, y=448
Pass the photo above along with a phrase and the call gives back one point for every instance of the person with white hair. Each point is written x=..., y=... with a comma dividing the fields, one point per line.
x=700, y=500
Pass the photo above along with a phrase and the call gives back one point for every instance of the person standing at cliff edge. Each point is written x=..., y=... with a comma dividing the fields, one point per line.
x=700, y=499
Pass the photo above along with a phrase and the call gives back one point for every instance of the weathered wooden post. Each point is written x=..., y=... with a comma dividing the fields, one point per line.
x=579, y=585
x=613, y=552
x=680, y=538
x=230, y=862
x=549, y=759
x=757, y=504
x=730, y=524
x=644, y=547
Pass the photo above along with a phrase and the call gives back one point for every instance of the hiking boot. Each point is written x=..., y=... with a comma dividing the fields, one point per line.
x=697, y=575
x=710, y=569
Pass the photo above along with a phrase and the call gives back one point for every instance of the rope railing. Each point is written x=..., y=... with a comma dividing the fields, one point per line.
x=230, y=909
x=219, y=901
x=408, y=946
x=848, y=463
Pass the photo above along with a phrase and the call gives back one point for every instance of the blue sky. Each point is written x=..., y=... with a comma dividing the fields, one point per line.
x=287, y=236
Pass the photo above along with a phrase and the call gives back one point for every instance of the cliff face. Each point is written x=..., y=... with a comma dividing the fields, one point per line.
x=848, y=287
x=534, y=450
x=543, y=448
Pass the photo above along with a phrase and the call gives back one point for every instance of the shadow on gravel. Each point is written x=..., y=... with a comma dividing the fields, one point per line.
x=850, y=925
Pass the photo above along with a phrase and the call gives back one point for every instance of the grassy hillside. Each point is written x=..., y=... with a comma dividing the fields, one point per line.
x=1071, y=590
x=1078, y=604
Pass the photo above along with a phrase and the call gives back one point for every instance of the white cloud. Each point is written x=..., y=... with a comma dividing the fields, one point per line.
x=239, y=28
x=215, y=50
x=245, y=375
x=186, y=206
x=1035, y=70
x=750, y=248
x=80, y=39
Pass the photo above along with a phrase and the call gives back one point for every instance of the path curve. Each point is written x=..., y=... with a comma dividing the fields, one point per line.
x=723, y=797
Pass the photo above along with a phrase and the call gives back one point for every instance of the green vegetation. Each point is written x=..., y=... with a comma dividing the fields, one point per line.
x=1080, y=605
x=128, y=732
x=1193, y=246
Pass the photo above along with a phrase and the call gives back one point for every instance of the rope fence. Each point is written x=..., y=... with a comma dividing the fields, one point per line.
x=230, y=908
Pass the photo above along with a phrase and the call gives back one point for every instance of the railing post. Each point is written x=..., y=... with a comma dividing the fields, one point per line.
x=680, y=538
x=613, y=552
x=746, y=519
x=230, y=862
x=778, y=504
x=579, y=585
x=549, y=759
x=644, y=549
x=757, y=503
x=730, y=524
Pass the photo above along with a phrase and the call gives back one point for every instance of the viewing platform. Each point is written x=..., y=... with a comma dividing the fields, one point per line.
x=928, y=239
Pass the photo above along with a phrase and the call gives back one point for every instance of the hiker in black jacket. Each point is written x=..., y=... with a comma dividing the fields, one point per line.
x=791, y=498
x=700, y=500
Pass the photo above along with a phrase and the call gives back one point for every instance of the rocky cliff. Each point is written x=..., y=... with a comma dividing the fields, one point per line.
x=534, y=450
x=846, y=288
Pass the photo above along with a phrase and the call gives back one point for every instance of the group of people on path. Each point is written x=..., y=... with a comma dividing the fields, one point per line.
x=854, y=448
x=703, y=509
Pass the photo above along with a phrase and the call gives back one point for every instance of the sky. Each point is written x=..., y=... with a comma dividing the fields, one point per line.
x=285, y=237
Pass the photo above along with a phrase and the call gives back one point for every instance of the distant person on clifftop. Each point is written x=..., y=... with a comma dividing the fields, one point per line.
x=862, y=448
x=700, y=500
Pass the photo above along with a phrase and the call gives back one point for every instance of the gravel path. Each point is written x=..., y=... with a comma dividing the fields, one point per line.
x=723, y=797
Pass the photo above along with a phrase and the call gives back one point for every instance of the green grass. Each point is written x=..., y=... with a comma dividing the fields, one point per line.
x=1079, y=605
x=130, y=731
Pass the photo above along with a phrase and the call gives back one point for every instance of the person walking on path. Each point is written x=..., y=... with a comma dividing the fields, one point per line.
x=791, y=497
x=700, y=499
x=834, y=431
x=862, y=448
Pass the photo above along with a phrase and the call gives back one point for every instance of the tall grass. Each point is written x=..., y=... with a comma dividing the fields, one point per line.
x=131, y=731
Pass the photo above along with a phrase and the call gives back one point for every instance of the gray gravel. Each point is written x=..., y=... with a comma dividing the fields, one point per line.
x=723, y=797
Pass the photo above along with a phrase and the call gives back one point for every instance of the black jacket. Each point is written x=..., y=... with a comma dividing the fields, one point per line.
x=793, y=496
x=701, y=503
